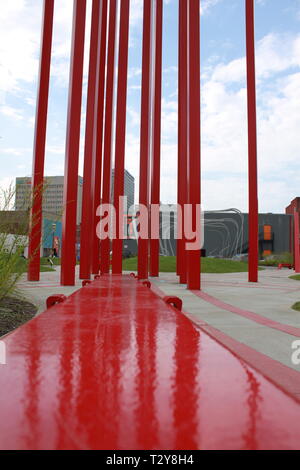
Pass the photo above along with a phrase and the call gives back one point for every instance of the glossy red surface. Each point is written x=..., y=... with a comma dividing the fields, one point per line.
x=114, y=367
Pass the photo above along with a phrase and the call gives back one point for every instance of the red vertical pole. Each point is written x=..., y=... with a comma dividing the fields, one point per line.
x=156, y=134
x=68, y=262
x=87, y=215
x=252, y=144
x=39, y=143
x=296, y=243
x=194, y=173
x=143, y=245
x=107, y=152
x=98, y=138
x=121, y=134
x=182, y=138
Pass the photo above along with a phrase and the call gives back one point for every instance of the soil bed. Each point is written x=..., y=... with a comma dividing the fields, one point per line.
x=14, y=312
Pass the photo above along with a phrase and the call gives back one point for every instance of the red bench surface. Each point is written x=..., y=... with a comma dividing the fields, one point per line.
x=114, y=367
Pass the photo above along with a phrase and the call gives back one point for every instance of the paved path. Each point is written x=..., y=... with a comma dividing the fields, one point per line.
x=254, y=320
x=38, y=292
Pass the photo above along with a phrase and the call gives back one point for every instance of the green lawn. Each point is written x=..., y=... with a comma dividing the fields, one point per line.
x=56, y=261
x=22, y=266
x=208, y=265
x=296, y=306
x=296, y=277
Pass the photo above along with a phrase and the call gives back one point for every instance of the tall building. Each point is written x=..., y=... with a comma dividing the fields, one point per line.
x=128, y=188
x=53, y=194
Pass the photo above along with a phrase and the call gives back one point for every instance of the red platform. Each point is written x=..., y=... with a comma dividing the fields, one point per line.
x=114, y=367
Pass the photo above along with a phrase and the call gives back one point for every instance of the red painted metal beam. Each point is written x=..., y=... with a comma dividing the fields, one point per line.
x=182, y=140
x=68, y=261
x=98, y=137
x=35, y=235
x=108, y=129
x=252, y=144
x=143, y=245
x=296, y=242
x=194, y=131
x=145, y=377
x=156, y=135
x=117, y=244
x=87, y=206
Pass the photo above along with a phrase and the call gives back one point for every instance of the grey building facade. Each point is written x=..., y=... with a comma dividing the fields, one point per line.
x=53, y=195
x=226, y=234
x=129, y=188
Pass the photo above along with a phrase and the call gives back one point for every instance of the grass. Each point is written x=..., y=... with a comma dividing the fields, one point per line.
x=56, y=261
x=208, y=265
x=23, y=264
x=276, y=259
x=296, y=277
x=296, y=306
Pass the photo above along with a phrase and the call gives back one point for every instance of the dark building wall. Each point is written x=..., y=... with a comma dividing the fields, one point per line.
x=226, y=234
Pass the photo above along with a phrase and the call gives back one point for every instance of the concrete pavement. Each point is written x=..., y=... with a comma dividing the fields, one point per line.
x=38, y=292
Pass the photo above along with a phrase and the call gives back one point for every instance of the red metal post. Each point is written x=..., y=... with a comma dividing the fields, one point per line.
x=156, y=134
x=194, y=171
x=87, y=207
x=143, y=245
x=121, y=135
x=98, y=138
x=108, y=128
x=182, y=139
x=39, y=144
x=68, y=262
x=252, y=145
x=296, y=242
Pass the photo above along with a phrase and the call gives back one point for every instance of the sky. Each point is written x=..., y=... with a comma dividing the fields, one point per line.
x=223, y=97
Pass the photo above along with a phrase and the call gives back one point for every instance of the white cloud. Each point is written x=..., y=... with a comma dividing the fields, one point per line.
x=224, y=127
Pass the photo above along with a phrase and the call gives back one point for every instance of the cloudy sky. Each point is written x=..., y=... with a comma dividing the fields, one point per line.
x=223, y=72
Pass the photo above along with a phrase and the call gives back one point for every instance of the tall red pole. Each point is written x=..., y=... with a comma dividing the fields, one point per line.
x=121, y=135
x=87, y=215
x=182, y=139
x=194, y=173
x=252, y=145
x=143, y=245
x=296, y=242
x=40, y=143
x=107, y=152
x=156, y=135
x=68, y=262
x=98, y=139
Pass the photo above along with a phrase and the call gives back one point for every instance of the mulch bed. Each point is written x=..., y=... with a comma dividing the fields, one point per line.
x=14, y=312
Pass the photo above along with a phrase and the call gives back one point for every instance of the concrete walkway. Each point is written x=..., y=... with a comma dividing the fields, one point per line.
x=38, y=292
x=254, y=320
